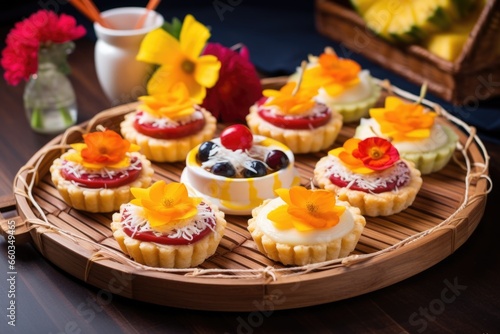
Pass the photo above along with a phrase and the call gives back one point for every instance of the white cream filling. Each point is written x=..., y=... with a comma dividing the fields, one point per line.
x=353, y=94
x=294, y=237
x=438, y=138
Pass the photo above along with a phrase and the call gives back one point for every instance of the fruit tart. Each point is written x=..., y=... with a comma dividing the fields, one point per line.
x=305, y=226
x=340, y=84
x=164, y=226
x=370, y=175
x=238, y=170
x=167, y=126
x=97, y=175
x=291, y=116
x=413, y=130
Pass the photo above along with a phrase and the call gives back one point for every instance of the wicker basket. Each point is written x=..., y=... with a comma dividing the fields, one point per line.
x=474, y=76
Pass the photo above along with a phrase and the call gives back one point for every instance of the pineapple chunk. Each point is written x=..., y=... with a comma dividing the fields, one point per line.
x=447, y=45
x=411, y=21
x=361, y=6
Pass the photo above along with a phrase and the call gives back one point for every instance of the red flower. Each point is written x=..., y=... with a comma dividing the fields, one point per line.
x=376, y=153
x=238, y=86
x=20, y=56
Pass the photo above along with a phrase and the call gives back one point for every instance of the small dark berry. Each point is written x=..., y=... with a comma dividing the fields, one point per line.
x=204, y=150
x=223, y=169
x=277, y=159
x=255, y=168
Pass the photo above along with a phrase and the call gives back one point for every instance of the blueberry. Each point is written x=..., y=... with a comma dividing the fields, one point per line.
x=223, y=169
x=255, y=168
x=204, y=150
x=277, y=159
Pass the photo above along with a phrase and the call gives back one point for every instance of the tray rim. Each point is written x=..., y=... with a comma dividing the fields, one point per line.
x=264, y=282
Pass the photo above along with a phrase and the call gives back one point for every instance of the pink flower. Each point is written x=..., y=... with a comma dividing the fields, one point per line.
x=238, y=86
x=20, y=56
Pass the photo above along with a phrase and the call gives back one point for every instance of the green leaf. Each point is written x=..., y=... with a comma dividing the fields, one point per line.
x=66, y=116
x=173, y=28
x=36, y=119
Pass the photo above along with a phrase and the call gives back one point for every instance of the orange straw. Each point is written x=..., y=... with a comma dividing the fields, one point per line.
x=152, y=4
x=88, y=8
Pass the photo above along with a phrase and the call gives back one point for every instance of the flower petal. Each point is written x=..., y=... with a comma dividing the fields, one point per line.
x=193, y=37
x=207, y=69
x=280, y=218
x=159, y=47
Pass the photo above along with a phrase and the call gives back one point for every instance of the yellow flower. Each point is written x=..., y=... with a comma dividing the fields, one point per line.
x=306, y=210
x=180, y=60
x=176, y=103
x=289, y=102
x=401, y=121
x=102, y=149
x=332, y=73
x=166, y=206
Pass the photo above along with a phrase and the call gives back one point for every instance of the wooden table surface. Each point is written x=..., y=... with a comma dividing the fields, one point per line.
x=458, y=295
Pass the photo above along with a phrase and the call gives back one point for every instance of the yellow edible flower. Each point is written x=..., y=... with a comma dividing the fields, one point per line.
x=290, y=101
x=176, y=103
x=180, y=60
x=166, y=206
x=306, y=210
x=332, y=73
x=102, y=149
x=402, y=121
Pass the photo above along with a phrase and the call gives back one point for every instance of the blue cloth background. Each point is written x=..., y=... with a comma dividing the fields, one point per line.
x=279, y=35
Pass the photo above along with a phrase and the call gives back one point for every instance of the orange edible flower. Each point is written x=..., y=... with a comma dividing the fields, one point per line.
x=402, y=121
x=289, y=102
x=102, y=149
x=166, y=206
x=306, y=210
x=368, y=155
x=332, y=73
x=174, y=104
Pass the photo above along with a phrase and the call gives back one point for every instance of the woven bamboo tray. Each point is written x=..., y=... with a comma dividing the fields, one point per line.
x=238, y=278
x=472, y=77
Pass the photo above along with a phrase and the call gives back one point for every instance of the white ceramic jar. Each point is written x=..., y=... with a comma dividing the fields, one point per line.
x=121, y=76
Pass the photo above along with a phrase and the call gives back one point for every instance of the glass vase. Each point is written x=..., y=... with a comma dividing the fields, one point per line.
x=49, y=98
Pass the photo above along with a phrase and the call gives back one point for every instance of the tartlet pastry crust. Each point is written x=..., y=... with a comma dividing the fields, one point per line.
x=99, y=199
x=170, y=256
x=167, y=150
x=381, y=204
x=303, y=254
x=299, y=141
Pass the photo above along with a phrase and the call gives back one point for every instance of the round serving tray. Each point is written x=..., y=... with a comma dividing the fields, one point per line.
x=446, y=211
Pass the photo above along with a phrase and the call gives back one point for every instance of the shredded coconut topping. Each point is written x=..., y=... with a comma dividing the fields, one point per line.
x=78, y=170
x=318, y=110
x=240, y=159
x=133, y=218
x=398, y=175
x=165, y=122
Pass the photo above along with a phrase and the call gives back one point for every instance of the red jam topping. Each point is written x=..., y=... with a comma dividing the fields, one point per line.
x=201, y=228
x=171, y=132
x=104, y=179
x=378, y=185
x=319, y=118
